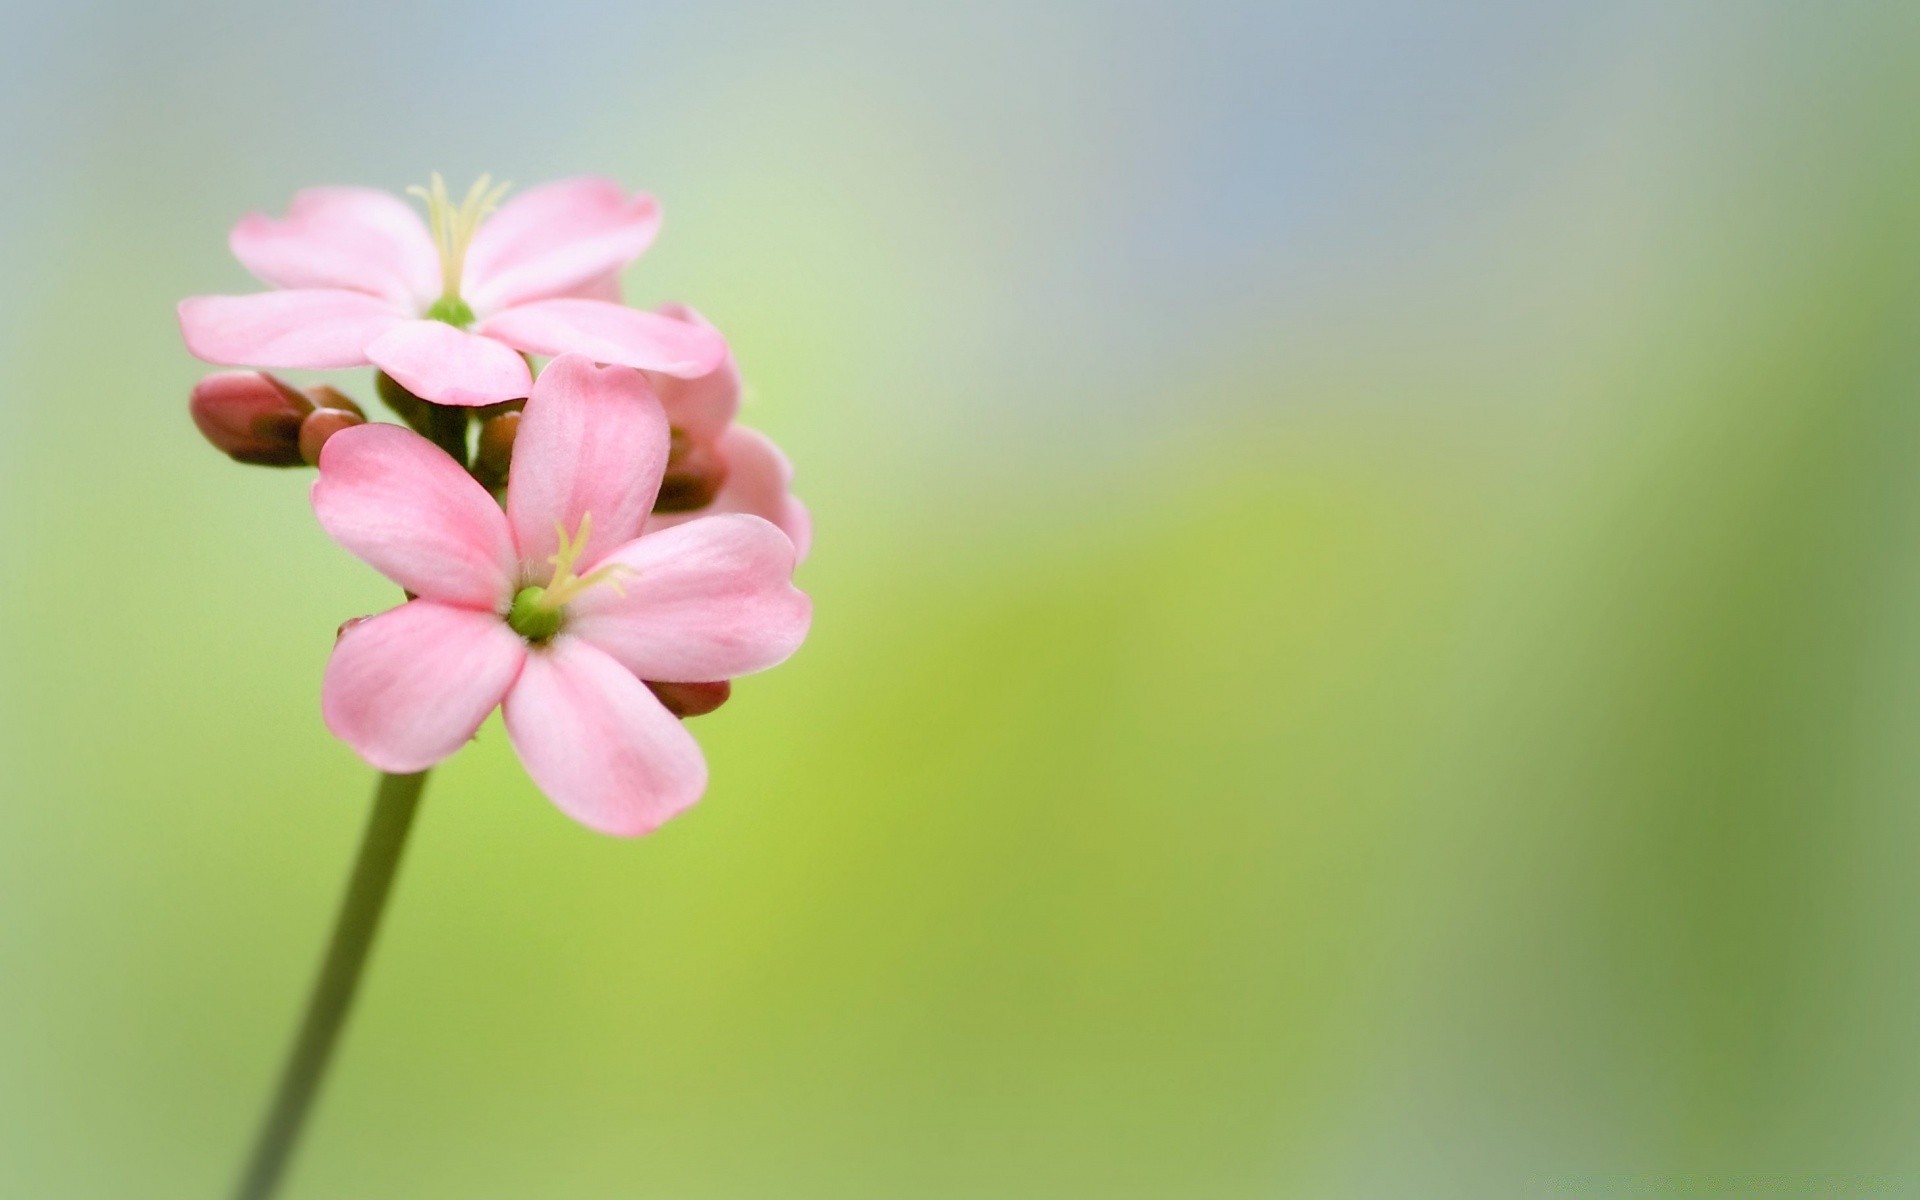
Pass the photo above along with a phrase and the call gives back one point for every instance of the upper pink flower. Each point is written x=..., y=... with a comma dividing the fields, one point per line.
x=446, y=312
x=755, y=477
x=554, y=610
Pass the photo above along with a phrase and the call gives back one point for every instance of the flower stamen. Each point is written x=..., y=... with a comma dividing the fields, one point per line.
x=537, y=611
x=453, y=228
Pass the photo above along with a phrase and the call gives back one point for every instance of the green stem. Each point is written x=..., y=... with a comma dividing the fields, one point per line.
x=447, y=429
x=442, y=424
x=386, y=836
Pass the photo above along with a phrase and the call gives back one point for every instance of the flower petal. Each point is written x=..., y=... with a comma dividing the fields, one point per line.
x=711, y=599
x=606, y=287
x=759, y=482
x=437, y=362
x=407, y=688
x=598, y=743
x=396, y=501
x=553, y=239
x=343, y=237
x=609, y=333
x=317, y=328
x=591, y=440
x=700, y=407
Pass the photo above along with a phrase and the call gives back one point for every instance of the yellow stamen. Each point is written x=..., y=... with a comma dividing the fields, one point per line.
x=538, y=612
x=454, y=225
x=565, y=586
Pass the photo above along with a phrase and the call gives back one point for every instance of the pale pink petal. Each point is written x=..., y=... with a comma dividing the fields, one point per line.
x=609, y=333
x=408, y=687
x=317, y=328
x=397, y=501
x=606, y=287
x=759, y=482
x=711, y=599
x=598, y=743
x=591, y=440
x=343, y=237
x=796, y=522
x=437, y=362
x=701, y=407
x=553, y=239
x=538, y=219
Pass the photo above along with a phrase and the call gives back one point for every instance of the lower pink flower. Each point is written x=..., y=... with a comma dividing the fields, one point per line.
x=555, y=610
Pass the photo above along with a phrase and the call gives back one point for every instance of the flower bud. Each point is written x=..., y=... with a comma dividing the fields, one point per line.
x=251, y=417
x=692, y=699
x=321, y=424
x=695, y=472
x=327, y=397
x=494, y=453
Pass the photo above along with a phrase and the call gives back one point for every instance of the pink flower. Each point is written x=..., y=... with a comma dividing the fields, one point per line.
x=554, y=610
x=752, y=475
x=448, y=313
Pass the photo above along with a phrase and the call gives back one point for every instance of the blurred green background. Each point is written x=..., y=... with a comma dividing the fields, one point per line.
x=1368, y=613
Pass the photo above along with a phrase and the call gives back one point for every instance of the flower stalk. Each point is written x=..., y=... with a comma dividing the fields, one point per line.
x=394, y=804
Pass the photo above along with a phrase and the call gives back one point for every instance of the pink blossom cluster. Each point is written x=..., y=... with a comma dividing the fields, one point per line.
x=594, y=546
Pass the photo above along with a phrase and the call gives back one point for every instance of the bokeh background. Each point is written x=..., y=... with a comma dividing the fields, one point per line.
x=1368, y=589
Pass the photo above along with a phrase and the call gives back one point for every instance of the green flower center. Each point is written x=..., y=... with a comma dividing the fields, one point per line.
x=538, y=612
x=451, y=309
x=531, y=617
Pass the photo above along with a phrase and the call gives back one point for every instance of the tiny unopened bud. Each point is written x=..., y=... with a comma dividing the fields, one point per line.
x=487, y=412
x=251, y=417
x=321, y=424
x=494, y=454
x=695, y=472
x=327, y=397
x=692, y=699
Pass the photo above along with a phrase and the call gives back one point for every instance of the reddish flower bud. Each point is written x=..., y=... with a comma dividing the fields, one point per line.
x=494, y=453
x=695, y=472
x=321, y=424
x=251, y=417
x=692, y=699
x=326, y=397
